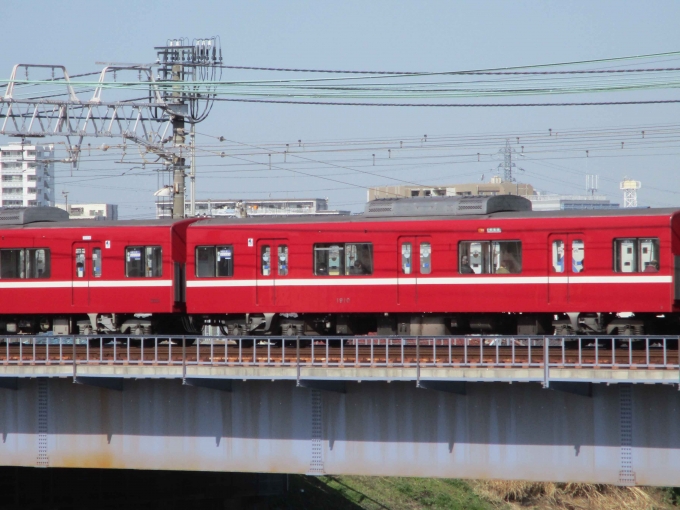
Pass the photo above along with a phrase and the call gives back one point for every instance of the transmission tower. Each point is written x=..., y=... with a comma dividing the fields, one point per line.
x=629, y=188
x=180, y=93
x=507, y=165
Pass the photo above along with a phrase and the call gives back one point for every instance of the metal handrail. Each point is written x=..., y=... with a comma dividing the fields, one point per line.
x=576, y=352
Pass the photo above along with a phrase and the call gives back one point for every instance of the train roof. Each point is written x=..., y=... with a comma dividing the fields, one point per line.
x=94, y=224
x=362, y=218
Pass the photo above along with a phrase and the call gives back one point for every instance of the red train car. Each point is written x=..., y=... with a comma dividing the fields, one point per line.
x=88, y=276
x=438, y=265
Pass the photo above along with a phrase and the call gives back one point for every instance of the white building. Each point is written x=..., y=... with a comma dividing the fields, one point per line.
x=252, y=208
x=91, y=211
x=27, y=174
x=547, y=202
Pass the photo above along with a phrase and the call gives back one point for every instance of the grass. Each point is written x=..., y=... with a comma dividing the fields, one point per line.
x=382, y=493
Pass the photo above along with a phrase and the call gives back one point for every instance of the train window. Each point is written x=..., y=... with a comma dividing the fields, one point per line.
x=205, y=261
x=425, y=258
x=80, y=262
x=406, y=260
x=490, y=257
x=12, y=264
x=558, y=256
x=25, y=263
x=214, y=261
x=359, y=258
x=343, y=259
x=577, y=255
x=266, y=254
x=636, y=255
x=225, y=260
x=282, y=260
x=328, y=259
x=143, y=261
x=97, y=262
x=37, y=263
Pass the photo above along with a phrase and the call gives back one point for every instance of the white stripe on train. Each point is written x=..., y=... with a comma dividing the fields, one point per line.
x=80, y=284
x=343, y=282
x=469, y=280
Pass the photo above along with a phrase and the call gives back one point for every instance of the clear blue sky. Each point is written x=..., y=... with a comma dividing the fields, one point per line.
x=377, y=35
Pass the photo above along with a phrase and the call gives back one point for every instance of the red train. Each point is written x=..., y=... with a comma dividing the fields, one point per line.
x=421, y=266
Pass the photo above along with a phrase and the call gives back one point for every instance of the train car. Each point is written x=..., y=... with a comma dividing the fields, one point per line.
x=438, y=265
x=87, y=276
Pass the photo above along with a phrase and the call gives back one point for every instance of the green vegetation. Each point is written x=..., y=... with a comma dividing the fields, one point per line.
x=382, y=493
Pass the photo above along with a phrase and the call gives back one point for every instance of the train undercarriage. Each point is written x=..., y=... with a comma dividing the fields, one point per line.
x=434, y=324
x=292, y=324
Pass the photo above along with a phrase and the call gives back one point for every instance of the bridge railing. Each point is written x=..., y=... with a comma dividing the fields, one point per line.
x=638, y=352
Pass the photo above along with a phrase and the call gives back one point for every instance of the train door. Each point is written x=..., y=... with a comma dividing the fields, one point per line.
x=567, y=259
x=415, y=259
x=272, y=256
x=87, y=266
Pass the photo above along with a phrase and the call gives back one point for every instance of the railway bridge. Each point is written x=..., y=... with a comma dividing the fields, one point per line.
x=578, y=409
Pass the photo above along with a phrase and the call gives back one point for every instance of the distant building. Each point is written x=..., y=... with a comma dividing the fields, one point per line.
x=252, y=208
x=545, y=202
x=540, y=201
x=27, y=175
x=91, y=211
x=495, y=187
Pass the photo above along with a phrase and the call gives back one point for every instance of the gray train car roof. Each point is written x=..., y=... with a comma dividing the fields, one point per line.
x=27, y=215
x=93, y=224
x=607, y=213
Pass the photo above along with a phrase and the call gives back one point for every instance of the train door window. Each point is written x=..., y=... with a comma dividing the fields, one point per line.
x=282, y=252
x=359, y=258
x=97, y=262
x=225, y=260
x=80, y=262
x=578, y=255
x=143, y=261
x=205, y=261
x=266, y=260
x=558, y=256
x=406, y=259
x=12, y=263
x=490, y=257
x=425, y=258
x=636, y=255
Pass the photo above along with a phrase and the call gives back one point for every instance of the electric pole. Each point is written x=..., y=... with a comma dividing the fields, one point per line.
x=181, y=63
x=182, y=91
x=178, y=139
x=193, y=170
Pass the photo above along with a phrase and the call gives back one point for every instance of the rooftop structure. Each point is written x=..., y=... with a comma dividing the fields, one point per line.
x=232, y=208
x=495, y=187
x=629, y=188
x=27, y=174
x=91, y=211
